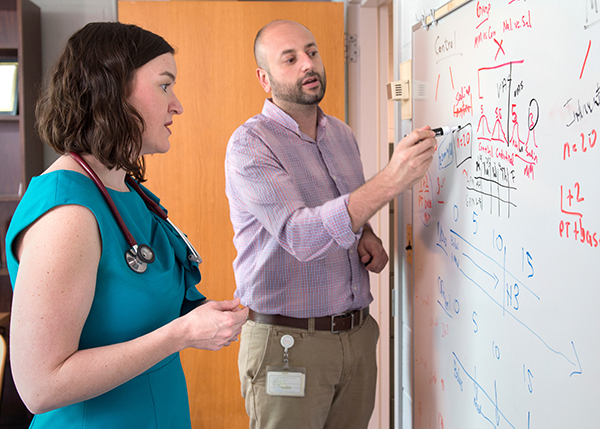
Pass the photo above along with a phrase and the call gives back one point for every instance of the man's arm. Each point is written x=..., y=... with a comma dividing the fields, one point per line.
x=257, y=184
x=409, y=163
x=371, y=251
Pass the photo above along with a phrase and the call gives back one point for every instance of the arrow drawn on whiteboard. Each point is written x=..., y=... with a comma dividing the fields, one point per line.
x=492, y=260
x=578, y=362
x=492, y=275
x=440, y=246
x=493, y=402
x=508, y=310
x=443, y=308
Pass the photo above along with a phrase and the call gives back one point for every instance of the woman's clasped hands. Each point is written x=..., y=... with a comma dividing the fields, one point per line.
x=214, y=325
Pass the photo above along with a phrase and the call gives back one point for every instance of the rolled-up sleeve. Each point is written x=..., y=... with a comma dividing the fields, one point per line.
x=336, y=220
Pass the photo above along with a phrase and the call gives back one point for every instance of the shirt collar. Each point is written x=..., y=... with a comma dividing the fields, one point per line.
x=272, y=111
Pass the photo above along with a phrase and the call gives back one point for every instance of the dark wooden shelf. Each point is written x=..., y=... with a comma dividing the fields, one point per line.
x=22, y=156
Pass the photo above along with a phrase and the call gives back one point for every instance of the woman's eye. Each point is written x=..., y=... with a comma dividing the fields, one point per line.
x=164, y=86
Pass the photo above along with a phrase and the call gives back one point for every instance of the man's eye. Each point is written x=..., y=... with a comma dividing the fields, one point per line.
x=164, y=86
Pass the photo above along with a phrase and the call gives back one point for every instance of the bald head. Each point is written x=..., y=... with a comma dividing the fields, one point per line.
x=289, y=65
x=263, y=38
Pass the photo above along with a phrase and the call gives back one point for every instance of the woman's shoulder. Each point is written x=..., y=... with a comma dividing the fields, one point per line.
x=57, y=188
x=60, y=186
x=62, y=189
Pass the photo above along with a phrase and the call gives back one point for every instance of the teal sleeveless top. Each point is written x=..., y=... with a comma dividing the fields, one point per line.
x=126, y=304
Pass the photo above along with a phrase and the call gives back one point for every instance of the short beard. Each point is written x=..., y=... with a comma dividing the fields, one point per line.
x=294, y=93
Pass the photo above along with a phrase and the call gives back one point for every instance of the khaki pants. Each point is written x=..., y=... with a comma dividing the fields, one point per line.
x=341, y=374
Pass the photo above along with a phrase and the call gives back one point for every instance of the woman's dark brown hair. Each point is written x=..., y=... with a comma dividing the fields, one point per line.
x=85, y=109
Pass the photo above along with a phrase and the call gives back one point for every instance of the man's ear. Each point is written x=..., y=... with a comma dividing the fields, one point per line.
x=263, y=79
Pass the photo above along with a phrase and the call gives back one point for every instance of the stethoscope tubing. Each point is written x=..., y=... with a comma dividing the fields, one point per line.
x=137, y=257
x=128, y=237
x=194, y=256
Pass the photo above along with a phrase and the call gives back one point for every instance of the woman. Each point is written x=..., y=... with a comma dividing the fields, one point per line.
x=94, y=338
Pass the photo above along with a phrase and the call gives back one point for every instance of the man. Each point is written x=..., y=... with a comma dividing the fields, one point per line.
x=299, y=208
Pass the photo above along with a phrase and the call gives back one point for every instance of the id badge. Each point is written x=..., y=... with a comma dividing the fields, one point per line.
x=285, y=381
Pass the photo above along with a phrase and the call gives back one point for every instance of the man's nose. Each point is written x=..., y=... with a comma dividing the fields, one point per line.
x=306, y=62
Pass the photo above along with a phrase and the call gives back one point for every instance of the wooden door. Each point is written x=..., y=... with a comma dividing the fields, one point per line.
x=217, y=87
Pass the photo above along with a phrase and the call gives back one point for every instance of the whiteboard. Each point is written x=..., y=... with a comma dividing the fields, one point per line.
x=506, y=221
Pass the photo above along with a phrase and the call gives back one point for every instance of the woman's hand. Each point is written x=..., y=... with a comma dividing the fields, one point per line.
x=214, y=325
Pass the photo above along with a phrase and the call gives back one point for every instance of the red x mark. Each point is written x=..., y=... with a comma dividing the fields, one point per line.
x=499, y=48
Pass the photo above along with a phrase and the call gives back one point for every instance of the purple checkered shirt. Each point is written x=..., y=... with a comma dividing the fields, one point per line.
x=287, y=196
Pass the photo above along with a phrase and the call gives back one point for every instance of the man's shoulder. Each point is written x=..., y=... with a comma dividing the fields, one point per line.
x=333, y=118
x=336, y=125
x=252, y=126
x=252, y=137
x=259, y=127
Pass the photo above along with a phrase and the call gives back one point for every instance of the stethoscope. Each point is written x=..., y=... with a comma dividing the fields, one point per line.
x=138, y=255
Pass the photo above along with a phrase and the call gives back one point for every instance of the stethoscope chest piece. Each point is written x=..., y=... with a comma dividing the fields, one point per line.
x=138, y=257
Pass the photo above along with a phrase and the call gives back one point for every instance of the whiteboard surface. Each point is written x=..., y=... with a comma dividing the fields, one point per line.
x=506, y=221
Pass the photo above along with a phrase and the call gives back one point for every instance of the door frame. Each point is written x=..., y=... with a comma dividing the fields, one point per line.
x=371, y=117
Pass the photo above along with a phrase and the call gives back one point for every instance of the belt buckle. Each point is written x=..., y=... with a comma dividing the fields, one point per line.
x=346, y=314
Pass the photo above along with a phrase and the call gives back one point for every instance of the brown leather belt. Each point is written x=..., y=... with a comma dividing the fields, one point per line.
x=337, y=323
